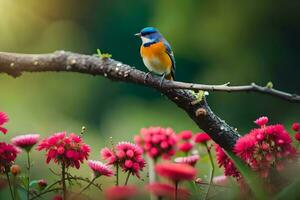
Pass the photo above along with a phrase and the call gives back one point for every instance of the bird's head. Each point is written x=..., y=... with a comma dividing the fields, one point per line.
x=149, y=35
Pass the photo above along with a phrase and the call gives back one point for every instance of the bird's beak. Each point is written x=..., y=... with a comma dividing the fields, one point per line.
x=137, y=34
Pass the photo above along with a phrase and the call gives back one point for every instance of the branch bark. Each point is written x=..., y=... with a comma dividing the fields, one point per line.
x=178, y=92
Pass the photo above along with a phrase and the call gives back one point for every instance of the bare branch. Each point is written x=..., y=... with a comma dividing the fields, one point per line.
x=13, y=64
x=294, y=98
x=178, y=92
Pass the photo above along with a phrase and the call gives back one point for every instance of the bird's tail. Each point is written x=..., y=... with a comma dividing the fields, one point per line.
x=170, y=77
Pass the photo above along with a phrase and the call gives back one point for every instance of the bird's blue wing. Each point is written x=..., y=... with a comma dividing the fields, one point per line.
x=171, y=55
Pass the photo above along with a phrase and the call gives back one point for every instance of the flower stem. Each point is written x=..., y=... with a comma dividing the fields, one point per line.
x=14, y=185
x=28, y=175
x=176, y=190
x=212, y=170
x=63, y=180
x=90, y=183
x=10, y=188
x=127, y=178
x=117, y=175
x=152, y=175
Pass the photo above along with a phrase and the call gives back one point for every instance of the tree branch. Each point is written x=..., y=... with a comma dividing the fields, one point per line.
x=178, y=92
x=9, y=64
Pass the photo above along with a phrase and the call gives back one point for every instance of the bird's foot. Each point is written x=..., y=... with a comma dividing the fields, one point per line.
x=162, y=80
x=146, y=76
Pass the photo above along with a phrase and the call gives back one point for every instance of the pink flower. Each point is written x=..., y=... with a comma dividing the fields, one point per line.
x=42, y=183
x=296, y=126
x=131, y=159
x=297, y=136
x=162, y=190
x=3, y=120
x=244, y=147
x=157, y=142
x=261, y=121
x=107, y=154
x=185, y=135
x=69, y=150
x=8, y=154
x=25, y=141
x=201, y=138
x=127, y=155
x=120, y=192
x=185, y=146
x=99, y=168
x=191, y=160
x=224, y=161
x=176, y=172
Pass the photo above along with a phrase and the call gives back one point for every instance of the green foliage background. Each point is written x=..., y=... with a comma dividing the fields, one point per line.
x=214, y=42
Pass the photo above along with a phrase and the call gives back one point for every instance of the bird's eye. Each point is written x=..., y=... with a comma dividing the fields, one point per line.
x=145, y=33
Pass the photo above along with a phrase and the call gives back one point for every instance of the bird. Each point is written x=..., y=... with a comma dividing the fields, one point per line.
x=157, y=54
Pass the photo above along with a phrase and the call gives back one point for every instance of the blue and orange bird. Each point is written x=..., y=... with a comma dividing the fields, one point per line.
x=157, y=54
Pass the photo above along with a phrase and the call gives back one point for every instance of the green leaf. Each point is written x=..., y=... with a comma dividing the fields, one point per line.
x=33, y=183
x=269, y=85
x=106, y=55
x=24, y=181
x=251, y=178
x=291, y=191
x=99, y=53
x=103, y=55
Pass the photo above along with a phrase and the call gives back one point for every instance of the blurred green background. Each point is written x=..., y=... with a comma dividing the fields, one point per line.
x=213, y=41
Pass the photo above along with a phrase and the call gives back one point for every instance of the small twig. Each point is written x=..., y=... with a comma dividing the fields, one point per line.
x=90, y=183
x=85, y=180
x=45, y=192
x=55, y=173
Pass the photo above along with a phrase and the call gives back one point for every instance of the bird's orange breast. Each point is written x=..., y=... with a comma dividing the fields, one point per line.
x=157, y=56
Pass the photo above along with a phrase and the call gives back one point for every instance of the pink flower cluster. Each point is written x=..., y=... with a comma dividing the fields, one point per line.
x=3, y=120
x=263, y=149
x=8, y=154
x=184, y=141
x=68, y=150
x=157, y=141
x=126, y=155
